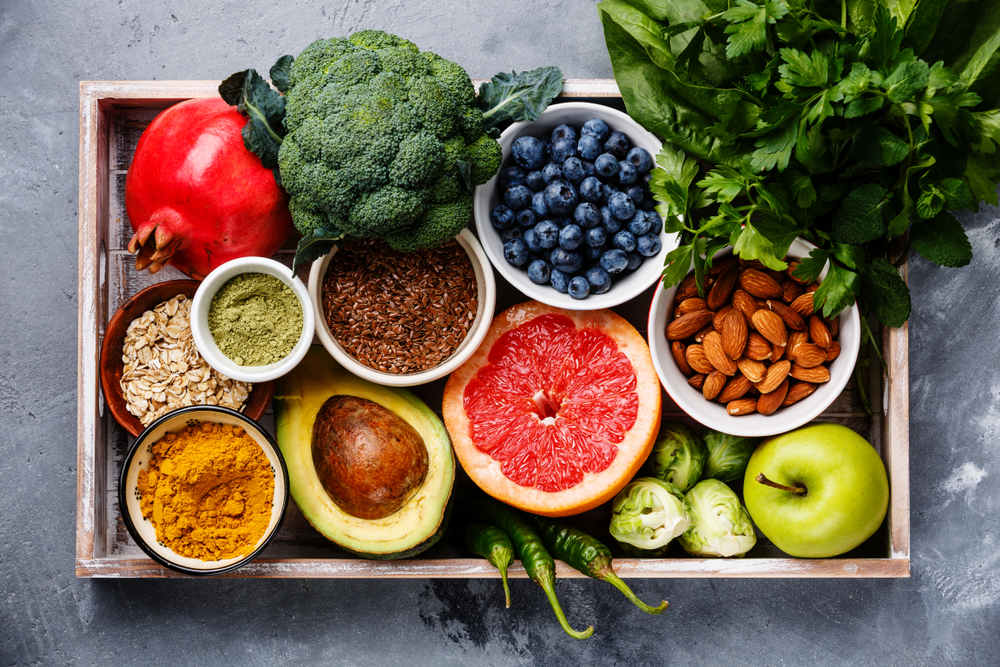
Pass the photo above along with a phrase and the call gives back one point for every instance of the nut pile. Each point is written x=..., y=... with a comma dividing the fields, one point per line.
x=163, y=370
x=754, y=342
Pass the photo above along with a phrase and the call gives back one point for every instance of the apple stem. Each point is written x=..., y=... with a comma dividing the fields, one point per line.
x=801, y=490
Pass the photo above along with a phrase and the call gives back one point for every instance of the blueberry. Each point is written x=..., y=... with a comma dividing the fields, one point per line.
x=551, y=172
x=560, y=221
x=563, y=132
x=606, y=165
x=531, y=239
x=606, y=191
x=560, y=198
x=528, y=152
x=562, y=149
x=634, y=261
x=655, y=222
x=597, y=128
x=609, y=223
x=517, y=197
x=539, y=272
x=538, y=204
x=621, y=206
x=570, y=237
x=626, y=173
x=511, y=234
x=591, y=253
x=648, y=204
x=526, y=217
x=572, y=169
x=624, y=240
x=516, y=252
x=648, y=245
x=599, y=279
x=595, y=237
x=635, y=193
x=566, y=261
x=559, y=280
x=501, y=217
x=587, y=215
x=617, y=145
x=547, y=234
x=510, y=176
x=590, y=189
x=640, y=159
x=614, y=261
x=579, y=288
x=589, y=169
x=638, y=225
x=588, y=147
x=534, y=180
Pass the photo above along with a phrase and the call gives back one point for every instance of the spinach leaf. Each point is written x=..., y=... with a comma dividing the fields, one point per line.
x=265, y=110
x=922, y=23
x=516, y=97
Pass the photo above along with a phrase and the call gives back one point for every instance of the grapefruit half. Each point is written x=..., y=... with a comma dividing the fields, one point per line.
x=556, y=410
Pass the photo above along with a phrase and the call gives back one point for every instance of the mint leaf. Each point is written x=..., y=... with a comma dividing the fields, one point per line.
x=265, y=110
x=856, y=82
x=811, y=266
x=930, y=202
x=515, y=97
x=676, y=265
x=859, y=218
x=837, y=290
x=906, y=81
x=886, y=293
x=942, y=240
x=281, y=73
x=863, y=106
x=957, y=193
x=878, y=147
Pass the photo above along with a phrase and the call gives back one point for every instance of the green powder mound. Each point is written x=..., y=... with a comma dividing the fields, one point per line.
x=255, y=319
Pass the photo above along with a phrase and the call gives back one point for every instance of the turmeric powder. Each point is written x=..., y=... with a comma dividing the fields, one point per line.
x=208, y=489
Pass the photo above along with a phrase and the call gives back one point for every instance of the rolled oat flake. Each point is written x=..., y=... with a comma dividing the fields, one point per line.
x=255, y=319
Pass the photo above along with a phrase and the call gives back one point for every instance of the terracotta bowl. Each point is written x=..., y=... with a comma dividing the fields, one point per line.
x=114, y=339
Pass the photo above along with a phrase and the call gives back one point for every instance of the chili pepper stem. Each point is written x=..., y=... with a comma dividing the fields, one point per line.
x=550, y=593
x=506, y=588
x=608, y=575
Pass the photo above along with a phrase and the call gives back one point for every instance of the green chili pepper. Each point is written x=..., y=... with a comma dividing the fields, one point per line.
x=587, y=554
x=537, y=562
x=492, y=544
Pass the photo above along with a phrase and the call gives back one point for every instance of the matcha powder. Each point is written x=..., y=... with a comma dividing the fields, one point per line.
x=255, y=319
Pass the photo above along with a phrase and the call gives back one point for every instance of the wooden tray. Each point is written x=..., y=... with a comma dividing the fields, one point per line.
x=113, y=114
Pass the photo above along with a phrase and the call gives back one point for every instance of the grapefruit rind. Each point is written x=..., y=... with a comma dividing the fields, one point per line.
x=596, y=488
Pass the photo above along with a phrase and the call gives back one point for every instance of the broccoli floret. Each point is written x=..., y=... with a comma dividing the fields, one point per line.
x=375, y=132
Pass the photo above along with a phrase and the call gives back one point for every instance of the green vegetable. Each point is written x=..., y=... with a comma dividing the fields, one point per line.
x=515, y=97
x=647, y=515
x=728, y=455
x=720, y=525
x=586, y=554
x=265, y=108
x=848, y=123
x=492, y=544
x=679, y=455
x=528, y=547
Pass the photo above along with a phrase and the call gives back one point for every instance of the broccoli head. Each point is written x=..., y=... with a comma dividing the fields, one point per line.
x=381, y=141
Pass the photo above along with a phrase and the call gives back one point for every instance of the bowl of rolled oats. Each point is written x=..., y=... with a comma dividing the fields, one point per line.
x=150, y=365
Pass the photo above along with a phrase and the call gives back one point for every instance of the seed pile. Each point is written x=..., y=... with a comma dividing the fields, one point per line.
x=400, y=312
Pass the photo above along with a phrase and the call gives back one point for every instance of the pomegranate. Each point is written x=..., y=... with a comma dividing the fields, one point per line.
x=196, y=197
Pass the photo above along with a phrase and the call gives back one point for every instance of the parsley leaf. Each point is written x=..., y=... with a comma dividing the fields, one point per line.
x=810, y=267
x=837, y=290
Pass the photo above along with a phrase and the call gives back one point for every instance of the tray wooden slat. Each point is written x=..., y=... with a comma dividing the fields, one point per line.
x=113, y=115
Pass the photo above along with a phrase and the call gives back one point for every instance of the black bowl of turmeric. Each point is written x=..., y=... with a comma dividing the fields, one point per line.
x=203, y=490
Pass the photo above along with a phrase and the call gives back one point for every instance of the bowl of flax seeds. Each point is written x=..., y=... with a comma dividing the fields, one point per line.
x=403, y=319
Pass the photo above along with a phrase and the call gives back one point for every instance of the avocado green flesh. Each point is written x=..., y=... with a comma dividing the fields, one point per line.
x=418, y=524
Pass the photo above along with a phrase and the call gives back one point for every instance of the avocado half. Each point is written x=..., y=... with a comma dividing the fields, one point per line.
x=408, y=531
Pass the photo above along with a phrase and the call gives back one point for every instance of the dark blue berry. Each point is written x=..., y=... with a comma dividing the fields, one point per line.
x=617, y=145
x=655, y=222
x=626, y=173
x=587, y=215
x=596, y=128
x=526, y=217
x=635, y=193
x=614, y=261
x=640, y=159
x=624, y=240
x=648, y=245
x=621, y=206
x=560, y=221
x=538, y=204
x=531, y=239
x=511, y=234
x=591, y=253
x=563, y=149
x=551, y=172
x=572, y=169
x=570, y=237
x=547, y=234
x=648, y=203
x=510, y=176
x=638, y=225
x=634, y=260
x=534, y=180
x=590, y=189
x=609, y=223
x=589, y=169
x=560, y=198
x=559, y=280
x=588, y=147
x=539, y=272
x=606, y=165
x=599, y=279
x=595, y=237
x=517, y=197
x=579, y=288
x=606, y=191
x=501, y=217
x=528, y=152
x=563, y=132
x=566, y=261
x=516, y=252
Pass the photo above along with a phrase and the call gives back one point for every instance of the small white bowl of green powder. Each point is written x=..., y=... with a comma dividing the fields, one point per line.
x=251, y=319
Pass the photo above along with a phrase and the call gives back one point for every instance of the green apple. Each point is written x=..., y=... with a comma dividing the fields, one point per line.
x=817, y=491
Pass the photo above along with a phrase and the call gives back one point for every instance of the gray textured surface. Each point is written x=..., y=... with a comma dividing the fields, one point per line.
x=947, y=613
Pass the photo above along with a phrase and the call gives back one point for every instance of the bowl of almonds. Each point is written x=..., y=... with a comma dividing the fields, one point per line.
x=150, y=366
x=750, y=356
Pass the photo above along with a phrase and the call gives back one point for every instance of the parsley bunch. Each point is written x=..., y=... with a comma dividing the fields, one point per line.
x=843, y=122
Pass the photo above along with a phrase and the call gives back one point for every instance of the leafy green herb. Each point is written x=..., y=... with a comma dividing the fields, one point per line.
x=513, y=97
x=265, y=111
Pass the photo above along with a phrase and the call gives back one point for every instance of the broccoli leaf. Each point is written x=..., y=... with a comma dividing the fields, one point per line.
x=315, y=245
x=265, y=108
x=514, y=97
x=281, y=73
x=942, y=240
x=885, y=292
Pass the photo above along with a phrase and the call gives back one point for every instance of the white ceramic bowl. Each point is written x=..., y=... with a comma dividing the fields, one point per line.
x=624, y=287
x=712, y=413
x=486, y=287
x=143, y=531
x=204, y=341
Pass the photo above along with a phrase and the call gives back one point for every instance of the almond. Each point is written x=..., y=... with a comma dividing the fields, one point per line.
x=700, y=336
x=717, y=355
x=695, y=355
x=714, y=383
x=744, y=303
x=792, y=265
x=776, y=374
x=720, y=317
x=795, y=339
x=819, y=332
x=719, y=265
x=797, y=392
x=833, y=324
x=771, y=326
x=692, y=305
x=677, y=349
x=808, y=355
x=697, y=381
x=757, y=347
x=759, y=284
x=777, y=352
x=752, y=264
x=792, y=319
x=736, y=388
x=753, y=370
x=816, y=375
x=742, y=406
x=688, y=288
x=723, y=287
x=803, y=305
x=812, y=287
x=771, y=401
x=734, y=334
x=687, y=325
x=833, y=351
x=791, y=290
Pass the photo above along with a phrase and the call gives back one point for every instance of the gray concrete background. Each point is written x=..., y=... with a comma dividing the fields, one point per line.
x=946, y=613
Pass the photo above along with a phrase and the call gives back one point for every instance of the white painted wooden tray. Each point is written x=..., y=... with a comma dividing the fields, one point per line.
x=113, y=114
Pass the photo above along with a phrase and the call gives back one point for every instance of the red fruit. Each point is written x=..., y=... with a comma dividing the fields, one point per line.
x=196, y=197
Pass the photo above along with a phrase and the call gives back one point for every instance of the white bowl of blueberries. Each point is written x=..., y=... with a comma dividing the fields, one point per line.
x=569, y=219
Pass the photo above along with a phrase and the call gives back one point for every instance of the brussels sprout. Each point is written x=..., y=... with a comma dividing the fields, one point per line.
x=728, y=455
x=647, y=514
x=679, y=455
x=720, y=525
